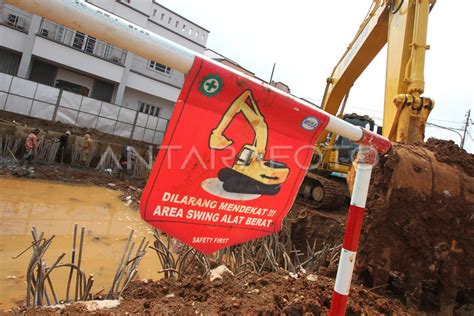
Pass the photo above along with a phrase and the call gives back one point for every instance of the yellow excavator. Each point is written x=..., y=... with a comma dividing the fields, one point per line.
x=251, y=173
x=402, y=25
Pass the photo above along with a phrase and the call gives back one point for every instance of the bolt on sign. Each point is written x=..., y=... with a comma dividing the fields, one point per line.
x=231, y=162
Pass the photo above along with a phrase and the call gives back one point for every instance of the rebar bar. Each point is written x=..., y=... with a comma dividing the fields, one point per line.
x=73, y=257
x=79, y=257
x=40, y=287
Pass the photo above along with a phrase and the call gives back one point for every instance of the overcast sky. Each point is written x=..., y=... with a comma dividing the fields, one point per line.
x=307, y=38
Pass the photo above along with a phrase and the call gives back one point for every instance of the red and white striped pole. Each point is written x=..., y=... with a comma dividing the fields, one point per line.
x=366, y=159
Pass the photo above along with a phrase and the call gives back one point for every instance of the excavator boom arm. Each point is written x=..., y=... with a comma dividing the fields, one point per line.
x=403, y=25
x=246, y=105
x=367, y=43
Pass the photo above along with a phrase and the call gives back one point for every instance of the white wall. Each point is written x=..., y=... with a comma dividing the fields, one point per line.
x=12, y=39
x=104, y=4
x=76, y=78
x=141, y=65
x=145, y=12
x=165, y=22
x=124, y=11
x=174, y=37
x=143, y=6
x=73, y=58
x=153, y=87
x=132, y=96
x=130, y=15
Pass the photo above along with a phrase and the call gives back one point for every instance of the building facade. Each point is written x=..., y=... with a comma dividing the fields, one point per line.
x=86, y=82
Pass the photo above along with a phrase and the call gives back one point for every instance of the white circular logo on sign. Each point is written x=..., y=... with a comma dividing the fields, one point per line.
x=310, y=123
x=211, y=85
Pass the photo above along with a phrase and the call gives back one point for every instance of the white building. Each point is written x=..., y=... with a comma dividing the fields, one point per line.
x=98, y=85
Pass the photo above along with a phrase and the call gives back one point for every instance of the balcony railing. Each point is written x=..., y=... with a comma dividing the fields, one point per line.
x=14, y=18
x=82, y=42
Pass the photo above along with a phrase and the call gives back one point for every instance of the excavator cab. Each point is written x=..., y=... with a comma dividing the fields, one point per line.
x=325, y=187
x=344, y=149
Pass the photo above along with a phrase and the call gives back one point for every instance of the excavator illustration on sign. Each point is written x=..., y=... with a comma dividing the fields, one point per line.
x=251, y=173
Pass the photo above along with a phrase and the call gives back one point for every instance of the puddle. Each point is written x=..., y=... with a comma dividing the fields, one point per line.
x=54, y=208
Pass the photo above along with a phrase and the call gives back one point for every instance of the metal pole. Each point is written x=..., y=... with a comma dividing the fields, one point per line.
x=56, y=106
x=271, y=76
x=364, y=164
x=344, y=102
x=465, y=128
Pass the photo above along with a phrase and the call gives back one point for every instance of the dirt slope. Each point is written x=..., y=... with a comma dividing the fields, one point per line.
x=270, y=294
x=419, y=243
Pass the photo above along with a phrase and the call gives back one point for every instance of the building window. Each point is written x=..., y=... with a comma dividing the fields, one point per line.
x=78, y=40
x=90, y=44
x=190, y=31
x=148, y=109
x=59, y=32
x=169, y=20
x=162, y=16
x=154, y=12
x=15, y=21
x=159, y=67
x=184, y=27
x=84, y=42
x=177, y=23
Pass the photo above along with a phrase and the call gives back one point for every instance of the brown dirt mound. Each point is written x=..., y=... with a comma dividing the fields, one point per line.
x=270, y=294
x=417, y=244
x=447, y=151
x=310, y=226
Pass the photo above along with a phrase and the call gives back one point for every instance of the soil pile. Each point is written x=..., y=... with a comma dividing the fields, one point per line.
x=269, y=294
x=309, y=226
x=417, y=238
x=447, y=151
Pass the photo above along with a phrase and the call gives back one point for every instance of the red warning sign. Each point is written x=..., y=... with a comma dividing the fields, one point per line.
x=231, y=162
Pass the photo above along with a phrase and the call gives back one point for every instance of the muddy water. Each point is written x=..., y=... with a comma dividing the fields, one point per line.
x=54, y=208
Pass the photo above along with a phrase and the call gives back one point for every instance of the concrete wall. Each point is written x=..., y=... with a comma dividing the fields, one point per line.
x=64, y=55
x=132, y=97
x=148, y=14
x=12, y=39
x=32, y=99
x=141, y=65
x=177, y=24
x=153, y=87
x=149, y=128
x=175, y=37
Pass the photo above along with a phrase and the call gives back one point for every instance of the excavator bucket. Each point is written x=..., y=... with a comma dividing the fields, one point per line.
x=418, y=169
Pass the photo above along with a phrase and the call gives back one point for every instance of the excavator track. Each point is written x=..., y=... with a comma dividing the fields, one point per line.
x=322, y=192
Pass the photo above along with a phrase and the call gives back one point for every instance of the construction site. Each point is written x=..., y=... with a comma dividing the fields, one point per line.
x=76, y=235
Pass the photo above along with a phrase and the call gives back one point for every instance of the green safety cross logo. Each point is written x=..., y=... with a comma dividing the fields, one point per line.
x=211, y=85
